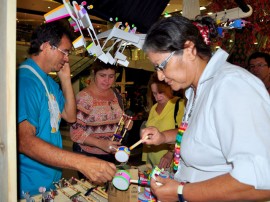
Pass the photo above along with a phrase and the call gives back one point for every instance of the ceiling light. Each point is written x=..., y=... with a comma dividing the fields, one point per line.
x=210, y=13
x=49, y=7
x=166, y=14
x=54, y=74
x=202, y=8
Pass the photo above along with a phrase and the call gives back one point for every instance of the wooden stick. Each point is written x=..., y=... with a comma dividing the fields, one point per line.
x=61, y=190
x=83, y=184
x=118, y=126
x=95, y=189
x=79, y=193
x=140, y=182
x=98, y=194
x=126, y=128
x=137, y=143
x=101, y=192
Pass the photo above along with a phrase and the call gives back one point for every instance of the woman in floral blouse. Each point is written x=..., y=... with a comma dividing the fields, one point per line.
x=98, y=113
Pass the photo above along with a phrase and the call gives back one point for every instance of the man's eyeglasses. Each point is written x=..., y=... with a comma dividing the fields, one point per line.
x=66, y=53
x=257, y=65
x=162, y=66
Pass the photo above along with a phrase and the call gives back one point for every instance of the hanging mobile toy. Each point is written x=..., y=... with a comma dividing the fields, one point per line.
x=238, y=24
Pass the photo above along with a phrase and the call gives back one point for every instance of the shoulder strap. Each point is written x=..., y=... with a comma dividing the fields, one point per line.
x=38, y=76
x=176, y=111
x=119, y=98
x=53, y=105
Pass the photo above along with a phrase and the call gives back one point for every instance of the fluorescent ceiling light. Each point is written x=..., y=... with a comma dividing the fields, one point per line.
x=54, y=74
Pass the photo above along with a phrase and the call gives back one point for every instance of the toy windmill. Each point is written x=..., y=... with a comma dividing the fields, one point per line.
x=122, y=128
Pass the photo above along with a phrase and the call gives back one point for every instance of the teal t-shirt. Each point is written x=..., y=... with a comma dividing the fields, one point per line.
x=32, y=105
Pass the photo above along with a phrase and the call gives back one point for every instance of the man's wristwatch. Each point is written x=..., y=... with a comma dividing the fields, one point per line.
x=180, y=192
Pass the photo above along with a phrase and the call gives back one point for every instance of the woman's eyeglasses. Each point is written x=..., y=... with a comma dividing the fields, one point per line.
x=162, y=66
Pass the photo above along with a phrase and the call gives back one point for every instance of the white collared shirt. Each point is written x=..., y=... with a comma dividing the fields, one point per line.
x=229, y=128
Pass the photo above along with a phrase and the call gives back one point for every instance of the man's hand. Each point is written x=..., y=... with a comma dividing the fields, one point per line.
x=97, y=171
x=64, y=73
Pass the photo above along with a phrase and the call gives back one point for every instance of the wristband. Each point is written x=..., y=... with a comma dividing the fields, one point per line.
x=180, y=192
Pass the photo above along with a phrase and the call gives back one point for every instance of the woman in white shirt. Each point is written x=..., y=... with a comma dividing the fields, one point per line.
x=225, y=132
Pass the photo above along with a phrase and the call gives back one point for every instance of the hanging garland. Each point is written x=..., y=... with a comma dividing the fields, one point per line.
x=253, y=37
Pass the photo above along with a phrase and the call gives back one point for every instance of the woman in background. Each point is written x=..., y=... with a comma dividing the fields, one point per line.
x=98, y=113
x=162, y=117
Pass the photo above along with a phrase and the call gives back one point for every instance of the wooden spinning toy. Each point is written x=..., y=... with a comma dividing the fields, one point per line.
x=122, y=128
x=122, y=153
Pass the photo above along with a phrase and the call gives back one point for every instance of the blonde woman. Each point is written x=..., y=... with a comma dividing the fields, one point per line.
x=162, y=117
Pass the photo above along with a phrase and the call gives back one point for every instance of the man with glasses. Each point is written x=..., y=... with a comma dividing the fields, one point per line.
x=41, y=105
x=259, y=65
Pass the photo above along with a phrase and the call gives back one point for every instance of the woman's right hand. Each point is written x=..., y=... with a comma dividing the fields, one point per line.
x=109, y=146
x=154, y=136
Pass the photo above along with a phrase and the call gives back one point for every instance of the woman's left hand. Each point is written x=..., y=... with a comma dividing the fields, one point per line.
x=166, y=160
x=167, y=191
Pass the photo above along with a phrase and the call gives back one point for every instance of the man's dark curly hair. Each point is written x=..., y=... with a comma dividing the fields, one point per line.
x=49, y=32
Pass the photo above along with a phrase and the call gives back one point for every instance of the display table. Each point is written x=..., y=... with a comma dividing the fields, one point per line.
x=74, y=190
x=71, y=192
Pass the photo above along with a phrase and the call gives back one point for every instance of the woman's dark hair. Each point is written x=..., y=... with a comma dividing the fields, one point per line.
x=171, y=34
x=49, y=32
x=99, y=65
x=255, y=55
